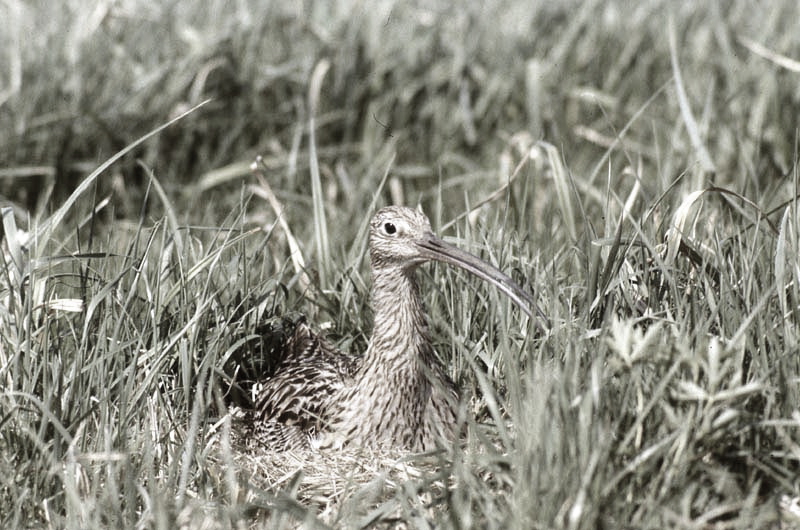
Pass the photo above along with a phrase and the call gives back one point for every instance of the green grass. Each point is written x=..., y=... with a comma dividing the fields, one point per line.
x=634, y=166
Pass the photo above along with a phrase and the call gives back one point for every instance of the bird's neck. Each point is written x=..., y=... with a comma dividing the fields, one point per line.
x=400, y=331
x=401, y=395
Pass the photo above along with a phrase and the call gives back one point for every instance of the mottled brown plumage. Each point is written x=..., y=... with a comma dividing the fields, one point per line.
x=398, y=394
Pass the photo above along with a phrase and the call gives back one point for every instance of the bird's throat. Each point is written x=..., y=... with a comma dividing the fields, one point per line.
x=400, y=331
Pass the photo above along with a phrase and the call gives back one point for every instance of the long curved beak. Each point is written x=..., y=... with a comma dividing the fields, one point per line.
x=433, y=248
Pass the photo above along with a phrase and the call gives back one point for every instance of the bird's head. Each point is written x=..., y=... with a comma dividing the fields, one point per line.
x=401, y=238
x=395, y=235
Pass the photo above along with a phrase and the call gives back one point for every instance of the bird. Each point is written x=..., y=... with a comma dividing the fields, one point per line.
x=398, y=394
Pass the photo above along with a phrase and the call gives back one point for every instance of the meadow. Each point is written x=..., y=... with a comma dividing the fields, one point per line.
x=180, y=182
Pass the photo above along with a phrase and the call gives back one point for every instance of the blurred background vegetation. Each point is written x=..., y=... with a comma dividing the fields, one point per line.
x=447, y=86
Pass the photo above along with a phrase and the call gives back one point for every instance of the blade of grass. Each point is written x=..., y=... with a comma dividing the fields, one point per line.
x=683, y=102
x=317, y=198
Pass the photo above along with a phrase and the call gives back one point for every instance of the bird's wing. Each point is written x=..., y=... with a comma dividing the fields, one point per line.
x=278, y=437
x=312, y=370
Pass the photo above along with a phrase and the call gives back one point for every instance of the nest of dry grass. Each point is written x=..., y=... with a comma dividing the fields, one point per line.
x=375, y=486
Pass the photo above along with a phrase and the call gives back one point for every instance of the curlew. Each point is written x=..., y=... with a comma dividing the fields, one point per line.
x=398, y=394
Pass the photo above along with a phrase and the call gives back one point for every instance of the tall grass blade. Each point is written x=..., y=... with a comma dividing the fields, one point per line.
x=563, y=187
x=683, y=102
x=317, y=198
x=13, y=241
x=780, y=262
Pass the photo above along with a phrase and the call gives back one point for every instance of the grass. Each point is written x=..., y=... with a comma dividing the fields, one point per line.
x=635, y=167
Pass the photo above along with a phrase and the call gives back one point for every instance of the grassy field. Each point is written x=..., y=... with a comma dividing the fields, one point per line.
x=633, y=165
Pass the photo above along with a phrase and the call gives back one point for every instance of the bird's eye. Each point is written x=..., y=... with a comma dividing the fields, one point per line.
x=389, y=228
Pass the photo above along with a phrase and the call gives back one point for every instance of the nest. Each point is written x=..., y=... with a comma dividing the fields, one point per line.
x=347, y=487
